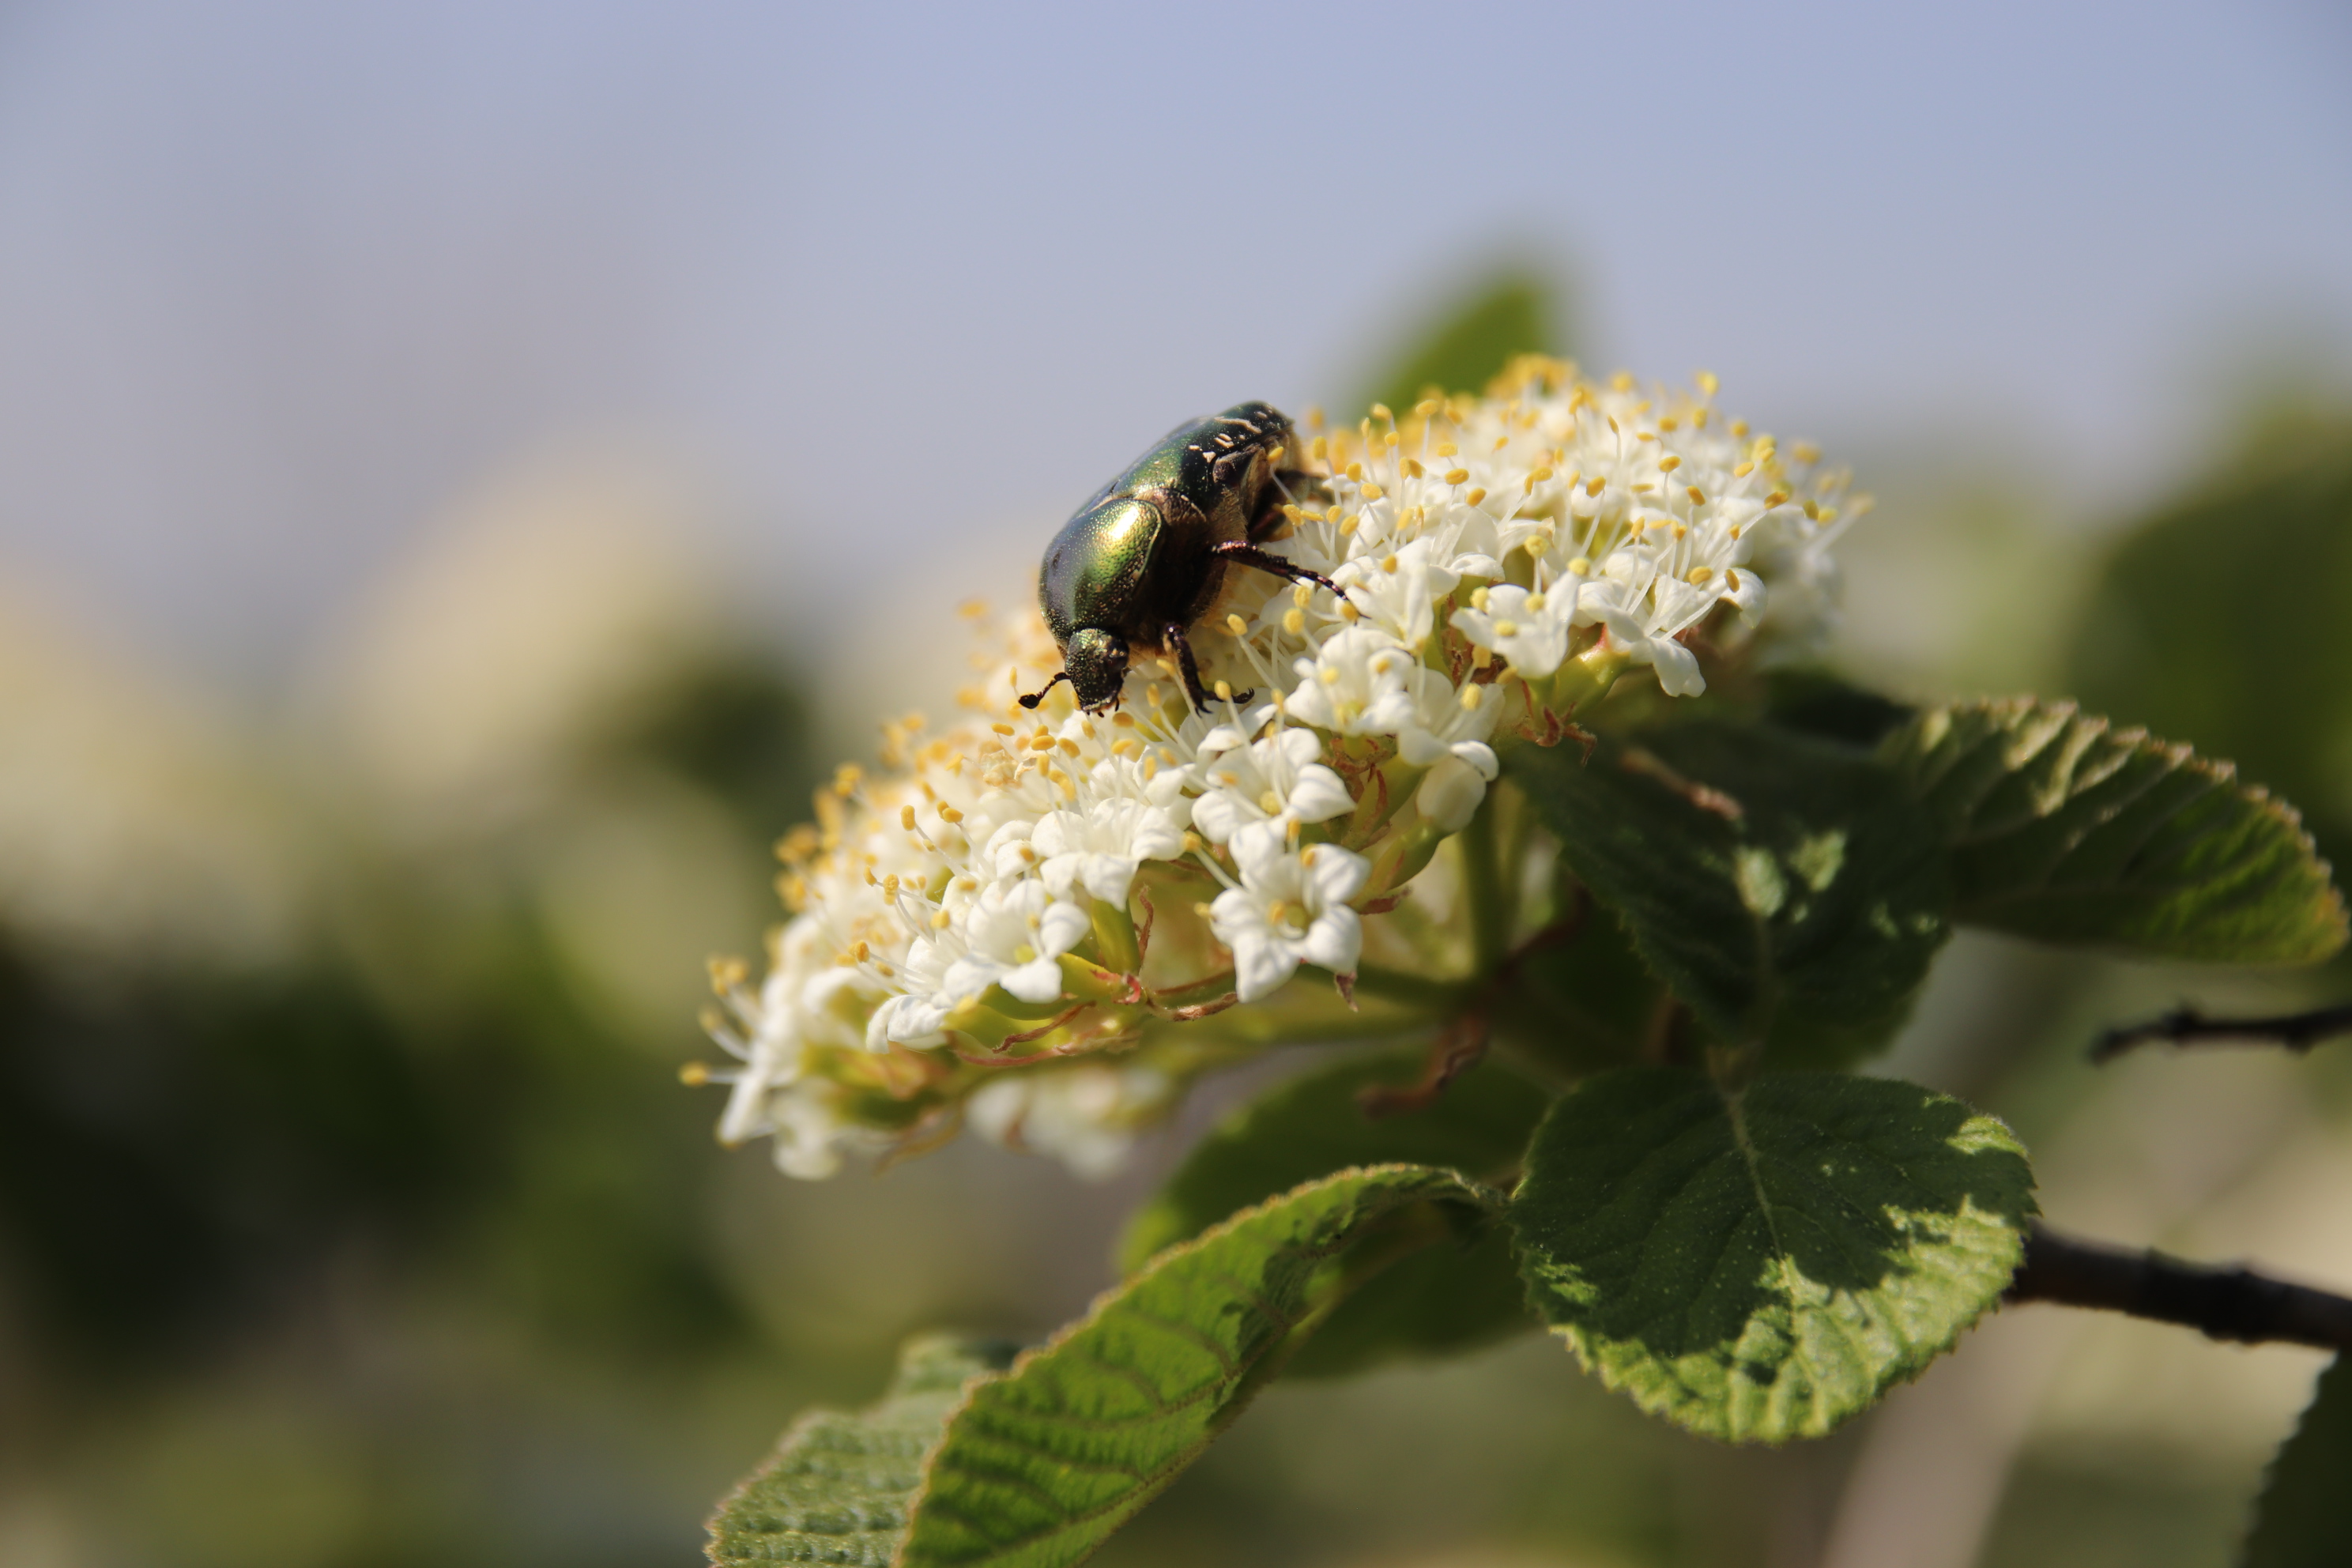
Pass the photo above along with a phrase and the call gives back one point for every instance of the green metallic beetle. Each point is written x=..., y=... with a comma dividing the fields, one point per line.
x=1146, y=556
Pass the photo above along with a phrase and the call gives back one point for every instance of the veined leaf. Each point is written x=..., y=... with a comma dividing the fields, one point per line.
x=1040, y=1465
x=1458, y=1294
x=2066, y=830
x=1783, y=887
x=837, y=1486
x=1760, y=1264
x=2301, y=1521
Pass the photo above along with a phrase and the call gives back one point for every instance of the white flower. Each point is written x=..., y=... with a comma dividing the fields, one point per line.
x=1291, y=909
x=1277, y=778
x=1101, y=847
x=1012, y=936
x=1450, y=792
x=1085, y=1116
x=1529, y=628
x=1355, y=685
x=1549, y=535
x=1399, y=592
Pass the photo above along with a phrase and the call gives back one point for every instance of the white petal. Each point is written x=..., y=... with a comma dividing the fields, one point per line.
x=1061, y=928
x=1222, y=813
x=1261, y=966
x=1039, y=980
x=1677, y=667
x=1319, y=795
x=1334, y=875
x=1334, y=940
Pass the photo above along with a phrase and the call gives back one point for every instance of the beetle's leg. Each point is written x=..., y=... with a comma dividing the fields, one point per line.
x=1268, y=560
x=1292, y=486
x=1030, y=700
x=1172, y=634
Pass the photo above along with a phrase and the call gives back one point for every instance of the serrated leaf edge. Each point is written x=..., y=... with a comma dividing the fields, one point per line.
x=1249, y=1380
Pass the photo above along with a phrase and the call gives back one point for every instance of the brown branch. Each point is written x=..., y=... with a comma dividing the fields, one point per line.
x=2222, y=1303
x=2186, y=1026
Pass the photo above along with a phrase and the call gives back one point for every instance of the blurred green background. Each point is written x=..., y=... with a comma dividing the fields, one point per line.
x=386, y=740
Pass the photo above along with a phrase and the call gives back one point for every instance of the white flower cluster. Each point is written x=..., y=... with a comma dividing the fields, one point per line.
x=985, y=907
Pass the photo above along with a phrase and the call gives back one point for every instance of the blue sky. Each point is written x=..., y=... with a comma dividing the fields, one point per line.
x=284, y=280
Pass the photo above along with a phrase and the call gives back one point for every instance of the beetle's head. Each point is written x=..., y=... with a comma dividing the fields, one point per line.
x=1096, y=661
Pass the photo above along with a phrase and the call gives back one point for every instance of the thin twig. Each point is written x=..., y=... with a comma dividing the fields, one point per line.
x=2185, y=1026
x=2223, y=1303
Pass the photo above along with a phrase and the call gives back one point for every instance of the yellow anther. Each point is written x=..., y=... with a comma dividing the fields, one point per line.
x=1348, y=613
x=1410, y=468
x=1123, y=719
x=1813, y=510
x=1699, y=418
x=1476, y=496
x=1332, y=514
x=1595, y=485
x=1743, y=470
x=1274, y=457
x=1277, y=912
x=1645, y=436
x=1374, y=492
x=907, y=817
x=1328, y=676
x=1192, y=843
x=950, y=814
x=1356, y=472
x=1389, y=564
x=1668, y=465
x=1740, y=430
x=1237, y=626
x=1478, y=598
x=940, y=921
x=1319, y=448
x=1535, y=602
x=1472, y=696
x=1447, y=448
x=1455, y=476
x=1202, y=911
x=1302, y=595
x=1669, y=423
x=1269, y=803
x=693, y=1075
x=1391, y=439
x=1776, y=498
x=1707, y=385
x=1480, y=657
x=1001, y=729
x=1224, y=690
x=1698, y=574
x=1806, y=452
x=1381, y=411
x=1294, y=621
x=1506, y=629
x=859, y=952
x=1697, y=496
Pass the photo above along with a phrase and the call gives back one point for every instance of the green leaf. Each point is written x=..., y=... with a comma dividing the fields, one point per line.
x=2301, y=1521
x=1507, y=314
x=838, y=1488
x=1760, y=1264
x=2225, y=620
x=1455, y=1295
x=1583, y=1004
x=1042, y=1464
x=2066, y=830
x=1783, y=887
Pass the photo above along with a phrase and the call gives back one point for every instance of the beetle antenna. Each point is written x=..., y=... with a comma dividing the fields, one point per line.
x=1035, y=698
